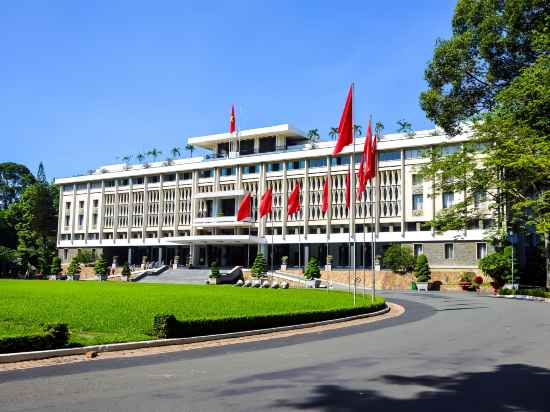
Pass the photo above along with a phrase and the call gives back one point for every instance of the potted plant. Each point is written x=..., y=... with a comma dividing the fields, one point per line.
x=101, y=268
x=328, y=266
x=73, y=271
x=477, y=281
x=214, y=273
x=422, y=273
x=312, y=274
x=126, y=272
x=466, y=281
x=284, y=261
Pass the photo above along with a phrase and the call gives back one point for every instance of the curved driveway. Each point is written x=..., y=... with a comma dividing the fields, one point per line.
x=448, y=352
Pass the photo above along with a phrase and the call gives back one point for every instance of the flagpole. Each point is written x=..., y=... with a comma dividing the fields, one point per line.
x=272, y=230
x=248, y=251
x=374, y=212
x=353, y=194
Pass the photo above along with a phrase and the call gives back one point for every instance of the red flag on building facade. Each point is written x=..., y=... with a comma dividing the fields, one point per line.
x=232, y=120
x=345, y=128
x=245, y=208
x=363, y=175
x=266, y=203
x=324, y=207
x=370, y=169
x=348, y=188
x=294, y=200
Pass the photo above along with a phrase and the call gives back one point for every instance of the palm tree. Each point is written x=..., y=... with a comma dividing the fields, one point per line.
x=190, y=147
x=313, y=135
x=154, y=153
x=405, y=127
x=357, y=130
x=378, y=127
x=126, y=159
x=175, y=152
x=140, y=157
x=333, y=133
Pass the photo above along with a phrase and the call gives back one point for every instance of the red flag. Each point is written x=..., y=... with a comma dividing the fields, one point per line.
x=363, y=166
x=345, y=128
x=348, y=189
x=245, y=208
x=324, y=208
x=361, y=178
x=370, y=170
x=266, y=203
x=232, y=120
x=294, y=200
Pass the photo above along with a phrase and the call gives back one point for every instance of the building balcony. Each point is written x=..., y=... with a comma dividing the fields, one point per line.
x=418, y=212
x=219, y=221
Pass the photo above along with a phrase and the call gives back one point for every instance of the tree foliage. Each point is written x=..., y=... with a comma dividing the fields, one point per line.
x=14, y=178
x=74, y=267
x=399, y=259
x=259, y=267
x=498, y=266
x=312, y=269
x=214, y=270
x=422, y=271
x=101, y=266
x=126, y=270
x=56, y=266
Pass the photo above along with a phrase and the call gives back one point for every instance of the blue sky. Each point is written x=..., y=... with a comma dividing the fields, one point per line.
x=84, y=82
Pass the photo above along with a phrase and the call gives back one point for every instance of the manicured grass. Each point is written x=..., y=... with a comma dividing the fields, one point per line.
x=105, y=312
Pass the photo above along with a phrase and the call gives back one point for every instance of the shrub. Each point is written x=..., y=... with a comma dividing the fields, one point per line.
x=477, y=281
x=506, y=292
x=85, y=256
x=259, y=267
x=539, y=293
x=422, y=271
x=467, y=281
x=101, y=266
x=164, y=326
x=55, y=336
x=399, y=259
x=498, y=266
x=214, y=270
x=56, y=266
x=74, y=266
x=312, y=270
x=126, y=270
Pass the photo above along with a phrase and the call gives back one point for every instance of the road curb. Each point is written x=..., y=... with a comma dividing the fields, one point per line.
x=524, y=297
x=113, y=347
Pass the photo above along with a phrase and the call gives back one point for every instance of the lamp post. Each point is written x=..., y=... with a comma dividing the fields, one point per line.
x=511, y=238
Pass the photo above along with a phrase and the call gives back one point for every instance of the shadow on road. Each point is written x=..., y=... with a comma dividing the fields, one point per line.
x=509, y=387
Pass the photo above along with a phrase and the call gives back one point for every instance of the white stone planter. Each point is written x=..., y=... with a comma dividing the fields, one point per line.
x=73, y=277
x=314, y=283
x=422, y=286
x=101, y=277
x=328, y=268
x=283, y=267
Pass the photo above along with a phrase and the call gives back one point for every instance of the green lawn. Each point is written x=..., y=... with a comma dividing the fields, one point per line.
x=103, y=312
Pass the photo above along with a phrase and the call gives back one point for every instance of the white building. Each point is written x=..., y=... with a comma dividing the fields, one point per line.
x=187, y=207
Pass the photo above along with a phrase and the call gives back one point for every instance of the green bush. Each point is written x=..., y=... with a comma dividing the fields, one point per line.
x=259, y=267
x=55, y=336
x=498, y=266
x=56, y=266
x=312, y=269
x=538, y=292
x=126, y=270
x=422, y=271
x=506, y=292
x=399, y=259
x=166, y=326
x=85, y=256
x=74, y=266
x=101, y=266
x=214, y=270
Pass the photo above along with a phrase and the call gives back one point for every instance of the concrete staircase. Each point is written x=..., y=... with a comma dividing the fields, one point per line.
x=186, y=276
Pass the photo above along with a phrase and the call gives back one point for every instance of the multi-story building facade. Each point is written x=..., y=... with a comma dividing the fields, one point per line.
x=187, y=207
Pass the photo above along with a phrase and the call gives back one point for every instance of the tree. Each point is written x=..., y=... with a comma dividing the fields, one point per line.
x=422, y=271
x=8, y=261
x=312, y=269
x=498, y=266
x=175, y=152
x=101, y=266
x=126, y=159
x=154, y=153
x=405, y=127
x=259, y=267
x=140, y=157
x=399, y=259
x=333, y=133
x=190, y=148
x=41, y=174
x=214, y=270
x=74, y=266
x=56, y=266
x=126, y=271
x=14, y=179
x=378, y=127
x=357, y=130
x=492, y=41
x=313, y=135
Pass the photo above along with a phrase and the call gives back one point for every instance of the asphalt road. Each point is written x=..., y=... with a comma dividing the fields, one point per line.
x=448, y=352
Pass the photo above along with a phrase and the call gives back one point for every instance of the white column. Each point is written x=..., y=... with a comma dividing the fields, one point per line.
x=403, y=194
x=87, y=213
x=101, y=215
x=73, y=213
x=177, y=206
x=305, y=194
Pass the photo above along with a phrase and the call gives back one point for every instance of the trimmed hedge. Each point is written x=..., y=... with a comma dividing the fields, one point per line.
x=56, y=336
x=539, y=293
x=167, y=326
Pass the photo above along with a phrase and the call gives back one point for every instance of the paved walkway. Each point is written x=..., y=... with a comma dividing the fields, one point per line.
x=448, y=352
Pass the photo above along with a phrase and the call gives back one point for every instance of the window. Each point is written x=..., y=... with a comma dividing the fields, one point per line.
x=249, y=169
x=417, y=202
x=186, y=176
x=228, y=171
x=65, y=254
x=418, y=249
x=81, y=204
x=96, y=202
x=339, y=161
x=205, y=173
x=275, y=167
x=415, y=154
x=322, y=162
x=95, y=185
x=80, y=220
x=68, y=206
x=82, y=186
x=481, y=250
x=68, y=188
x=448, y=199
x=295, y=164
x=411, y=226
x=417, y=180
x=389, y=155
x=67, y=220
x=109, y=183
x=450, y=149
x=449, y=251
x=479, y=198
x=94, y=219
x=169, y=178
x=153, y=179
x=123, y=182
x=137, y=180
